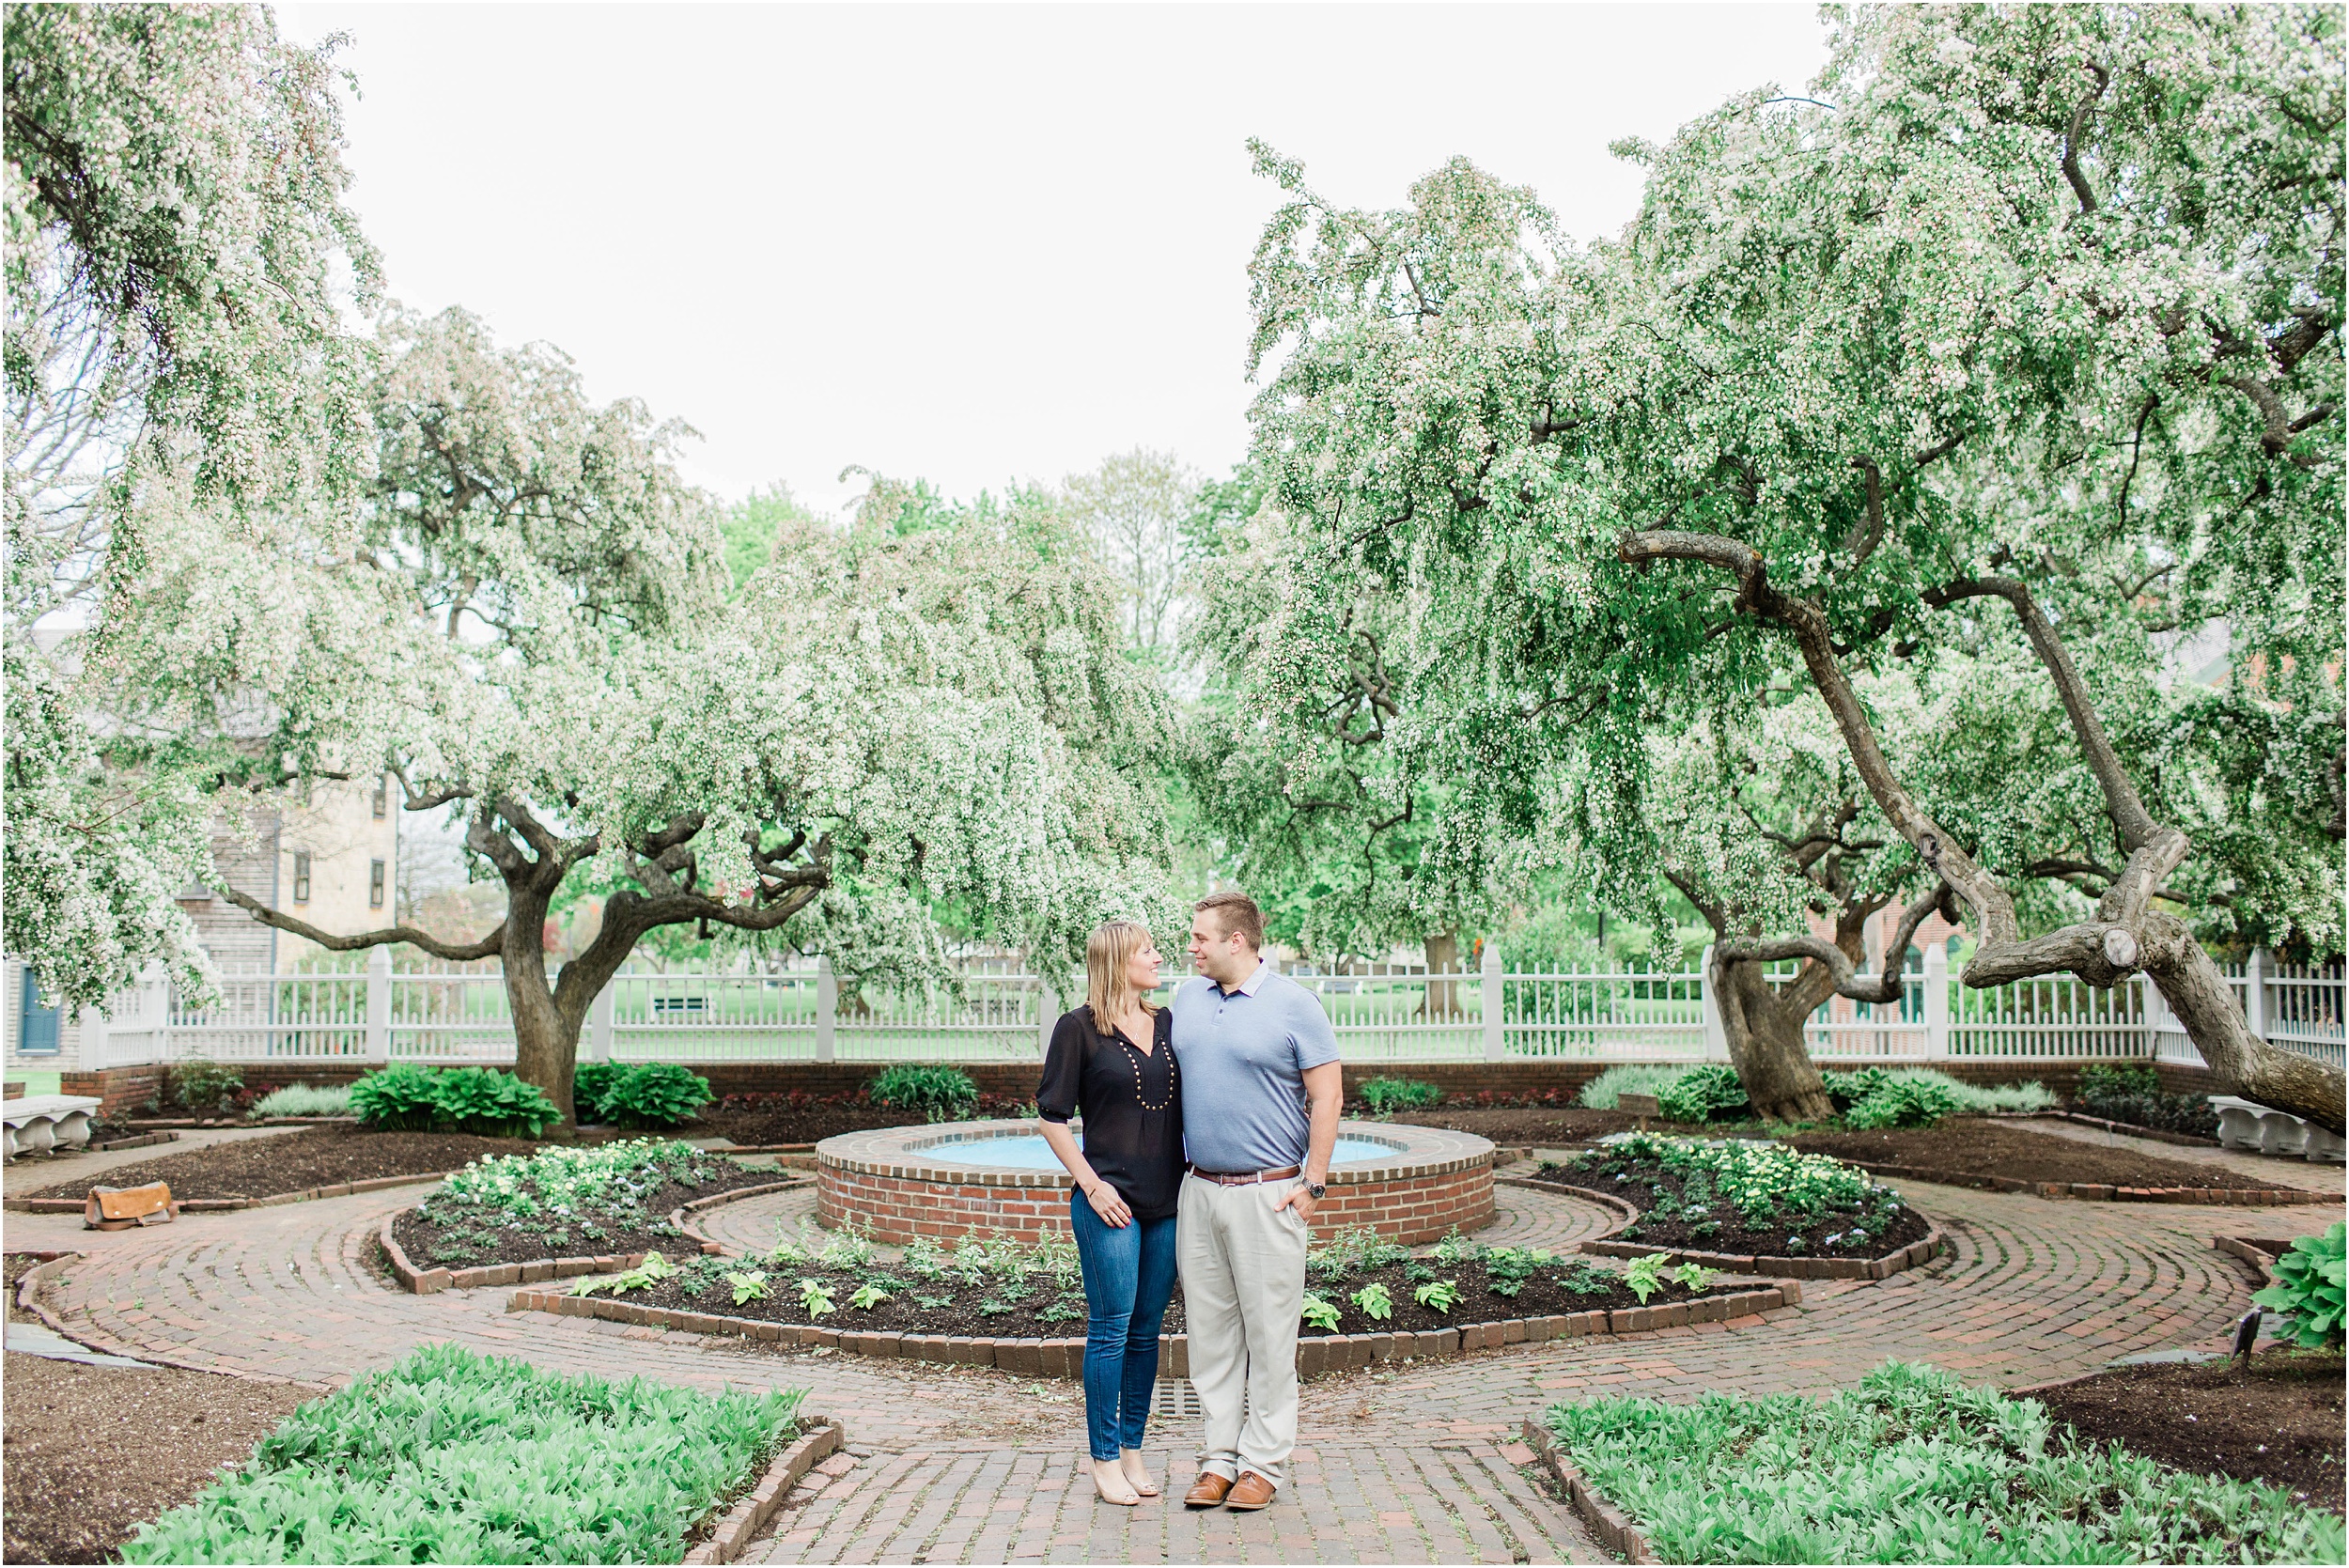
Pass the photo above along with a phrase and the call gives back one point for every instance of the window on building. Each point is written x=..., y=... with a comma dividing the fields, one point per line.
x=375, y=884
x=302, y=876
x=382, y=801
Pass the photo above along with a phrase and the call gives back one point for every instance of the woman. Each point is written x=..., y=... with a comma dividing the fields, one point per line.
x=1113, y=1061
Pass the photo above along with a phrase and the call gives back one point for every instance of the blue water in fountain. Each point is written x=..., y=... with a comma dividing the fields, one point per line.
x=1032, y=1153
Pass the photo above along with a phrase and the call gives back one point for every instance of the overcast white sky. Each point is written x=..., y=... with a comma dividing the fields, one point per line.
x=973, y=243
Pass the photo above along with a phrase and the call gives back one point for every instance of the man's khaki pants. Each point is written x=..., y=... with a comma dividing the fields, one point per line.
x=1244, y=1268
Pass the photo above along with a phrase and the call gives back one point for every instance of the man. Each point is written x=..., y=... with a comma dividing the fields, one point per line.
x=1261, y=1092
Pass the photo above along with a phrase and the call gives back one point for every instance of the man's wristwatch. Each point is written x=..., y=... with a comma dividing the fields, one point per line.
x=1316, y=1191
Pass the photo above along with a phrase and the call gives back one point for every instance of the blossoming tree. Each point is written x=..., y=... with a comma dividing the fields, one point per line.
x=2023, y=335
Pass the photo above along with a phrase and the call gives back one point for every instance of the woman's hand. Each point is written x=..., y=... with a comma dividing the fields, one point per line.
x=1108, y=1205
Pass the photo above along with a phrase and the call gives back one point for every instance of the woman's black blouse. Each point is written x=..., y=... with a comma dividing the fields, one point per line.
x=1132, y=1106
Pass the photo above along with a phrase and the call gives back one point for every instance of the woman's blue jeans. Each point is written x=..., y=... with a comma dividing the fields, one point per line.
x=1129, y=1272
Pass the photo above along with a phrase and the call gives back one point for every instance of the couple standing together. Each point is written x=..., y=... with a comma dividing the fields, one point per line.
x=1208, y=1127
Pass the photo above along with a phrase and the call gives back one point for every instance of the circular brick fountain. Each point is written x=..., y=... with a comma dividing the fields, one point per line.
x=1423, y=1182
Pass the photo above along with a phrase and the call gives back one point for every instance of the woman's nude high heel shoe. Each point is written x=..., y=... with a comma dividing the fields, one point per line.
x=1137, y=1474
x=1109, y=1483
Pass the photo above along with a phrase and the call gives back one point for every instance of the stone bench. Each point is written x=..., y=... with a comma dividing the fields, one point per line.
x=2247, y=1125
x=44, y=1121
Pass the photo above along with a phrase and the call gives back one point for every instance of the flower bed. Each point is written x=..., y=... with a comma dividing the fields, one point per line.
x=453, y=1457
x=615, y=1198
x=248, y=1169
x=1000, y=1288
x=1762, y=1201
x=2003, y=1157
x=1911, y=1467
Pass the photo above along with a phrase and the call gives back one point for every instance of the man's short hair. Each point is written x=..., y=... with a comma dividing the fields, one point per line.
x=1237, y=913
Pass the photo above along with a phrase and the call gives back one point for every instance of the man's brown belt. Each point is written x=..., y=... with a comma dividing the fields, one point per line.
x=1245, y=1179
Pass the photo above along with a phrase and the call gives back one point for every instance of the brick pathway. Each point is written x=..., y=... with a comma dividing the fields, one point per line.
x=1409, y=1462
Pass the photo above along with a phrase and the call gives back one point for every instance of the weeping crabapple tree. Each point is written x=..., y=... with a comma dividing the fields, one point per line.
x=1316, y=776
x=178, y=396
x=2021, y=335
x=882, y=721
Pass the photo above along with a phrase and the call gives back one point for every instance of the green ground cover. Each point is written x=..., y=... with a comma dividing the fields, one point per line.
x=453, y=1457
x=1914, y=1467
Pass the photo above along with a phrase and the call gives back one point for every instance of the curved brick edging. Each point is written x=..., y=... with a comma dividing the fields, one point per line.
x=744, y=1522
x=2240, y=1197
x=428, y=1282
x=1437, y=1181
x=1065, y=1358
x=225, y=1205
x=1884, y=1267
x=1612, y=1527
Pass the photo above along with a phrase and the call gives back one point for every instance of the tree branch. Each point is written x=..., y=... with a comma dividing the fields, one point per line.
x=2072, y=140
x=1848, y=981
x=487, y=947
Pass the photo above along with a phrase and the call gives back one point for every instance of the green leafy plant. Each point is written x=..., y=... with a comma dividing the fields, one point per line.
x=817, y=1298
x=1695, y=1276
x=645, y=1275
x=1387, y=1096
x=200, y=1085
x=1437, y=1295
x=1903, y=1102
x=1646, y=1275
x=2133, y=1094
x=1507, y=1268
x=1319, y=1313
x=1376, y=1303
x=590, y=1082
x=868, y=1296
x=1707, y=1092
x=1914, y=1467
x=553, y=1469
x=653, y=1094
x=2307, y=1288
x=1060, y=1309
x=1355, y=1250
x=749, y=1285
x=1587, y=1280
x=1628, y=1079
x=465, y=1099
x=1455, y=1248
x=939, y=1093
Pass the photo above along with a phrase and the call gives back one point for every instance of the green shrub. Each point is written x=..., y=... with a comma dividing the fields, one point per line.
x=453, y=1457
x=403, y=1096
x=2133, y=1094
x=1913, y=1466
x=1629, y=1079
x=653, y=1094
x=1902, y=1102
x=1707, y=1092
x=939, y=1094
x=1385, y=1095
x=590, y=1082
x=297, y=1100
x=463, y=1099
x=200, y=1086
x=2309, y=1287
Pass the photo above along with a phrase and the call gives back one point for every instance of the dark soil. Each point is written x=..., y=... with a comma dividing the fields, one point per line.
x=297, y=1161
x=1542, y=1126
x=93, y=1451
x=761, y=1120
x=947, y=1305
x=1980, y=1146
x=1637, y=1184
x=478, y=1240
x=2278, y=1423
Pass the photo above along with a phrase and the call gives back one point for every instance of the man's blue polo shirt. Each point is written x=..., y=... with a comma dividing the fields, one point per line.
x=1244, y=1053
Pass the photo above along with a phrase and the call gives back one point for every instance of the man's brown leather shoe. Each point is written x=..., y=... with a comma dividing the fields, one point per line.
x=1207, y=1491
x=1253, y=1491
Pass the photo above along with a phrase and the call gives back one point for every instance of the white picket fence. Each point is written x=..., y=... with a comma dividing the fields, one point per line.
x=798, y=1015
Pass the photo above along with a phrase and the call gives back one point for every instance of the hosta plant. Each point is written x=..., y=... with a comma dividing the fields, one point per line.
x=1437, y=1295
x=939, y=1093
x=652, y=1094
x=1376, y=1303
x=1646, y=1275
x=1321, y=1314
x=2307, y=1288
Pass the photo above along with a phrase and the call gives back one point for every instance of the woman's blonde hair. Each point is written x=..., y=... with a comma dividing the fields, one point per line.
x=1108, y=951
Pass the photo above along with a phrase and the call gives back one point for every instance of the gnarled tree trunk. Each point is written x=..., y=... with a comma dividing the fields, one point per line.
x=1766, y=1044
x=2199, y=994
x=1443, y=957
